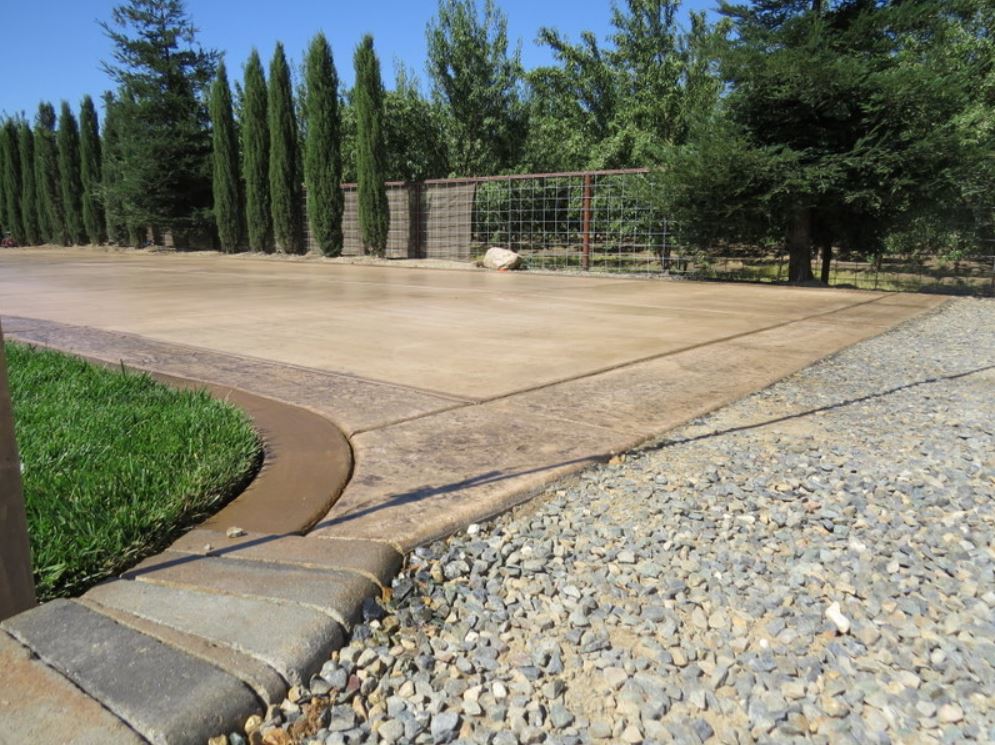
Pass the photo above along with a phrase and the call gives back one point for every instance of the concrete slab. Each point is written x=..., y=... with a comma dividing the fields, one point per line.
x=376, y=561
x=37, y=705
x=165, y=695
x=336, y=593
x=464, y=334
x=350, y=403
x=246, y=625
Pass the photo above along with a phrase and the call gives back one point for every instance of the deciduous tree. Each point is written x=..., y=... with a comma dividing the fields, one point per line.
x=478, y=82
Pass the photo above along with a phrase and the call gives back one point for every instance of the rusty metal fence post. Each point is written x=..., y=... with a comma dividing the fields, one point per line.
x=17, y=590
x=586, y=221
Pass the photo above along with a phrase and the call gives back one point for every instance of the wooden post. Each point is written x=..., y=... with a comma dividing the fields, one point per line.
x=17, y=589
x=586, y=221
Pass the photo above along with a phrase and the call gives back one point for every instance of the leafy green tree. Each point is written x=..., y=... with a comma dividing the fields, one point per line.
x=164, y=139
x=284, y=159
x=51, y=213
x=255, y=156
x=843, y=117
x=90, y=172
x=371, y=165
x=29, y=190
x=227, y=199
x=11, y=176
x=414, y=139
x=323, y=157
x=478, y=83
x=619, y=105
x=69, y=173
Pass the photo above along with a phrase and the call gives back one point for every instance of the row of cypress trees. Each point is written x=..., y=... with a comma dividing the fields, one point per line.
x=53, y=178
x=262, y=156
x=50, y=177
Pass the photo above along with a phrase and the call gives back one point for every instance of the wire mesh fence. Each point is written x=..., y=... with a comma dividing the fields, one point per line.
x=606, y=221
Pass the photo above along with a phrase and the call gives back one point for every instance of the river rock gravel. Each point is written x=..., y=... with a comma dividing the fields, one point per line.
x=811, y=564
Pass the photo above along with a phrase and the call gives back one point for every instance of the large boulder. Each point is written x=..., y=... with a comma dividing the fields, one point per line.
x=501, y=258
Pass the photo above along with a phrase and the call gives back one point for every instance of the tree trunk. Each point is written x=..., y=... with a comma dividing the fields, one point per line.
x=800, y=246
x=827, y=260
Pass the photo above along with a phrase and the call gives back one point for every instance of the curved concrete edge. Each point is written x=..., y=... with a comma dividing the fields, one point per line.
x=207, y=614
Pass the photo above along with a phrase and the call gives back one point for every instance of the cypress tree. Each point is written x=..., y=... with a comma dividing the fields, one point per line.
x=323, y=165
x=11, y=181
x=284, y=168
x=90, y=172
x=371, y=156
x=69, y=173
x=255, y=157
x=51, y=213
x=3, y=189
x=29, y=190
x=117, y=231
x=224, y=144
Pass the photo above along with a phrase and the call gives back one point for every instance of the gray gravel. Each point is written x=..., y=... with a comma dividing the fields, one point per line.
x=813, y=563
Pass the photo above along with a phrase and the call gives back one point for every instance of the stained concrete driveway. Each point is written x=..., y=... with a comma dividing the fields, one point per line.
x=461, y=392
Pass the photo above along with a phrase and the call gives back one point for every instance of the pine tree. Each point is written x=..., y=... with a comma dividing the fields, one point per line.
x=69, y=173
x=117, y=231
x=29, y=191
x=90, y=172
x=284, y=160
x=255, y=157
x=163, y=75
x=51, y=214
x=224, y=143
x=11, y=175
x=371, y=157
x=323, y=166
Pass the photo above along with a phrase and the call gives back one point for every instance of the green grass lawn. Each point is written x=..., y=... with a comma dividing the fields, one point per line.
x=115, y=464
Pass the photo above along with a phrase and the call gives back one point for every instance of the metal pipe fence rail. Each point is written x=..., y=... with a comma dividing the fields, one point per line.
x=606, y=221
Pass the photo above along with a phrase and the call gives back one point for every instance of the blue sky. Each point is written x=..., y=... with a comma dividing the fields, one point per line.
x=53, y=48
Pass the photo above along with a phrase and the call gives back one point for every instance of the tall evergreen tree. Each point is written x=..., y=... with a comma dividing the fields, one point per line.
x=224, y=141
x=323, y=156
x=284, y=159
x=371, y=158
x=255, y=156
x=51, y=213
x=111, y=166
x=11, y=175
x=90, y=172
x=165, y=144
x=69, y=173
x=29, y=191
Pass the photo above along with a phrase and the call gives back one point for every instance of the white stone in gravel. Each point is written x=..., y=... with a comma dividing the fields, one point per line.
x=615, y=677
x=834, y=614
x=950, y=713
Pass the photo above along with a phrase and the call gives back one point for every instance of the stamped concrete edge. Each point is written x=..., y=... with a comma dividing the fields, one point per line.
x=306, y=456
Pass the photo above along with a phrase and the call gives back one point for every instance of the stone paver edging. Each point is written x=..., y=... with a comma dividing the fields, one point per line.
x=424, y=465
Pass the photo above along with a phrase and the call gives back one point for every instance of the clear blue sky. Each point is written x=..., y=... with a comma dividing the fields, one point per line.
x=53, y=49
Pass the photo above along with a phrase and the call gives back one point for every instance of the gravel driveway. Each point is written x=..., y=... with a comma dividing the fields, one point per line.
x=813, y=563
